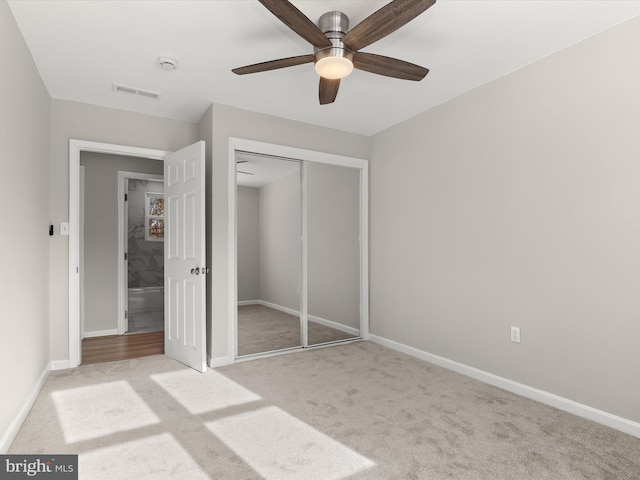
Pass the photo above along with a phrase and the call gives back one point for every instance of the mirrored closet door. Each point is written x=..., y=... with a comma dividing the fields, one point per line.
x=333, y=253
x=299, y=253
x=269, y=229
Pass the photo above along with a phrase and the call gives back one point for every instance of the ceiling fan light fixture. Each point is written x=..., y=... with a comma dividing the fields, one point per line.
x=334, y=67
x=334, y=63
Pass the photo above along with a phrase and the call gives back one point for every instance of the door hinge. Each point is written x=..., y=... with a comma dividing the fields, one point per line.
x=126, y=197
x=126, y=314
x=126, y=256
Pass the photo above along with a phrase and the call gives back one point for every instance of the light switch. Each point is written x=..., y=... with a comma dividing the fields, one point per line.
x=64, y=228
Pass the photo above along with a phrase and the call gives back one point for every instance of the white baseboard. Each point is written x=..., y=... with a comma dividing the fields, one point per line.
x=275, y=306
x=619, y=423
x=101, y=333
x=242, y=303
x=220, y=361
x=14, y=427
x=59, y=365
x=337, y=326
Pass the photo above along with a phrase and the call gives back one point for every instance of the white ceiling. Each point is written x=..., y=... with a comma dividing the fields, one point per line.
x=82, y=47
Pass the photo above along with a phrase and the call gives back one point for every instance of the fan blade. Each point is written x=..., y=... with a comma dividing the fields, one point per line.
x=390, y=67
x=297, y=21
x=246, y=173
x=274, y=64
x=328, y=90
x=384, y=21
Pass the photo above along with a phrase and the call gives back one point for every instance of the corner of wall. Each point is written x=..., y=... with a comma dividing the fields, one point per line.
x=16, y=424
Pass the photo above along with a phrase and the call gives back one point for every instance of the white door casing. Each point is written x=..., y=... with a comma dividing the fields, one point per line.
x=185, y=256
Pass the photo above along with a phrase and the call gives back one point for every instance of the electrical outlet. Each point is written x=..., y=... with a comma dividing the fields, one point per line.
x=515, y=334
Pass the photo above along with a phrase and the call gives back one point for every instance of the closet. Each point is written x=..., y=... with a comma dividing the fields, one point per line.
x=299, y=253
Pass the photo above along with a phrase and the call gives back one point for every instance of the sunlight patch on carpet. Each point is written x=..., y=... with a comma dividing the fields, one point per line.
x=91, y=412
x=159, y=456
x=279, y=446
x=203, y=392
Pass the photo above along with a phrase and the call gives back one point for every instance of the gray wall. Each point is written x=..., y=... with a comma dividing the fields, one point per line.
x=25, y=136
x=101, y=234
x=145, y=266
x=232, y=122
x=518, y=204
x=89, y=122
x=248, y=243
x=280, y=231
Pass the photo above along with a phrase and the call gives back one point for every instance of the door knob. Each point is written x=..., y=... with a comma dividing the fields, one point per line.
x=195, y=271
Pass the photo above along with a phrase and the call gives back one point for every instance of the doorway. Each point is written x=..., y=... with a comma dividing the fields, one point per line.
x=104, y=235
x=141, y=207
x=185, y=261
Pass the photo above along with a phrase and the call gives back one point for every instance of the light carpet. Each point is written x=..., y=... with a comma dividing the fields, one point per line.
x=353, y=411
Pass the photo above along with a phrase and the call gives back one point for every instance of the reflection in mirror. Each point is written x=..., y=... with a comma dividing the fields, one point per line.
x=269, y=253
x=333, y=252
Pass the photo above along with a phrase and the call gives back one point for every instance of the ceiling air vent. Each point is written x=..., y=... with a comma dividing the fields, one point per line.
x=135, y=91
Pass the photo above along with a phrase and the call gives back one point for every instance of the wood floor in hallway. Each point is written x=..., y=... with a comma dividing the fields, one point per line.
x=122, y=347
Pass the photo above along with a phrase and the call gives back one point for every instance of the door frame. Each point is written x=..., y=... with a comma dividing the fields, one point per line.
x=76, y=147
x=123, y=221
x=262, y=148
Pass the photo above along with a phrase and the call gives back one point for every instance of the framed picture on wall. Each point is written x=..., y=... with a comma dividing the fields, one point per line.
x=154, y=217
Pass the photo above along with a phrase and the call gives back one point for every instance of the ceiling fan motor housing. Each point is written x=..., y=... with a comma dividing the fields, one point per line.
x=334, y=25
x=334, y=22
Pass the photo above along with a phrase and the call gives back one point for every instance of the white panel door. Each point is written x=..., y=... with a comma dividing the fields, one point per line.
x=184, y=256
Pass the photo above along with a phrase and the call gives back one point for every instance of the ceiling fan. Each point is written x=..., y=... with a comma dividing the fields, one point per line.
x=337, y=49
